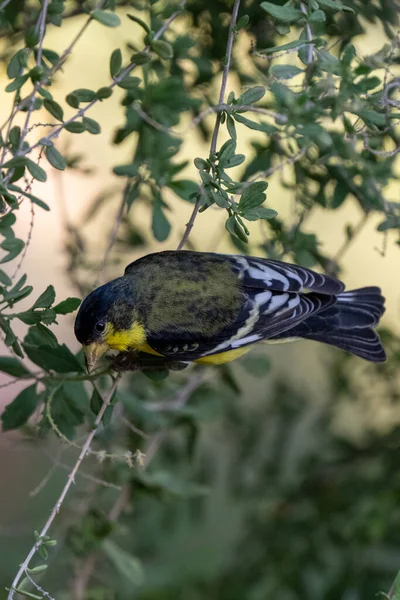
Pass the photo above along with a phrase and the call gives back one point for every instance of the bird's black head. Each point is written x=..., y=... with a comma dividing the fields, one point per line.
x=104, y=319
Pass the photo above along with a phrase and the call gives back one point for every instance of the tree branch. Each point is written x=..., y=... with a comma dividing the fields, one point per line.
x=214, y=139
x=82, y=111
x=70, y=481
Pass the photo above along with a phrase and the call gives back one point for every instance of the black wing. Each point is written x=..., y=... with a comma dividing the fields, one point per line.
x=273, y=302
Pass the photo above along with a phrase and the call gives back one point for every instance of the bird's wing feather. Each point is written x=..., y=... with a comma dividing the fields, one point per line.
x=264, y=315
x=215, y=302
x=279, y=276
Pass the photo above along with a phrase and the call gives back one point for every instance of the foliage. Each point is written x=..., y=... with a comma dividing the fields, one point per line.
x=292, y=525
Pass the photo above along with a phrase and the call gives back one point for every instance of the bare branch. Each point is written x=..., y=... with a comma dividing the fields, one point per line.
x=70, y=481
x=310, y=49
x=4, y=4
x=113, y=234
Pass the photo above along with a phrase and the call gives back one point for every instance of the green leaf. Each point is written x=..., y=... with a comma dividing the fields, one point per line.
x=84, y=95
x=17, y=161
x=200, y=163
x=139, y=22
x=256, y=364
x=40, y=335
x=39, y=202
x=129, y=170
x=13, y=247
x=12, y=366
x=14, y=296
x=31, y=36
x=46, y=299
x=335, y=5
x=36, y=171
x=254, y=214
x=58, y=359
x=242, y=22
x=162, y=49
x=285, y=71
x=236, y=160
x=284, y=47
x=96, y=402
x=318, y=16
x=72, y=100
x=392, y=222
x=226, y=152
x=17, y=83
x=234, y=229
x=14, y=136
x=18, y=412
x=4, y=278
x=252, y=124
x=115, y=62
x=67, y=306
x=230, y=124
x=140, y=58
x=127, y=565
x=161, y=227
x=339, y=195
x=52, y=57
x=104, y=92
x=185, y=189
x=75, y=127
x=68, y=408
x=285, y=13
x=129, y=83
x=253, y=196
x=91, y=125
x=108, y=19
x=26, y=594
x=164, y=482
x=372, y=117
x=55, y=158
x=54, y=109
x=15, y=65
x=252, y=95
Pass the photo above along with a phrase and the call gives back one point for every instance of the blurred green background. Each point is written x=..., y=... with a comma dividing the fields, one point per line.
x=279, y=478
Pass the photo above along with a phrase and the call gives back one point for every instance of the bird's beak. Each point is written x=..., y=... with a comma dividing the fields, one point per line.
x=92, y=353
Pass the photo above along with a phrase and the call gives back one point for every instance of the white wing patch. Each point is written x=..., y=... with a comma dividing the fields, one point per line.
x=268, y=275
x=276, y=302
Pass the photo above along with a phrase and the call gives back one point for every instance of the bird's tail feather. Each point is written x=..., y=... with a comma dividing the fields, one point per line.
x=348, y=324
x=363, y=342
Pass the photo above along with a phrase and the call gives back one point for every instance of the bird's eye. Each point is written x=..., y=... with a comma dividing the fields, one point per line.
x=100, y=326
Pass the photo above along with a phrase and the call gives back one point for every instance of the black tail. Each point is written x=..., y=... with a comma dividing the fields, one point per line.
x=348, y=324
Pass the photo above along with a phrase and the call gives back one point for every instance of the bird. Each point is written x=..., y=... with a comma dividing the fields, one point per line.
x=212, y=308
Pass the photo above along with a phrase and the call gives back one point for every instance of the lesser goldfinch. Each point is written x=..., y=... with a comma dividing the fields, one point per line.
x=212, y=308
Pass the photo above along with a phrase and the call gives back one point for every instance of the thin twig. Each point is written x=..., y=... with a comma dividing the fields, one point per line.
x=190, y=223
x=37, y=587
x=205, y=113
x=331, y=268
x=4, y=4
x=310, y=49
x=42, y=30
x=113, y=234
x=75, y=40
x=180, y=398
x=276, y=168
x=225, y=73
x=70, y=481
x=214, y=139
